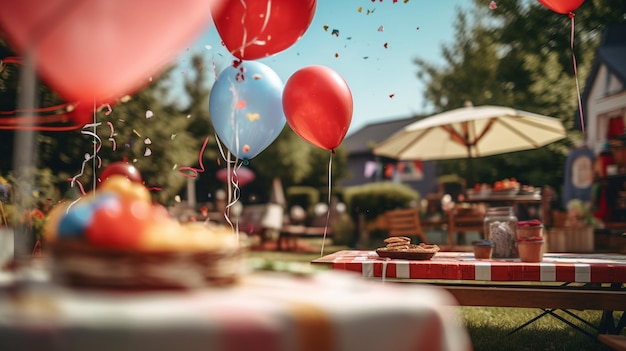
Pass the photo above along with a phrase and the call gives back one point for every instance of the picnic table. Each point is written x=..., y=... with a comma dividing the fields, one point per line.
x=563, y=281
x=266, y=311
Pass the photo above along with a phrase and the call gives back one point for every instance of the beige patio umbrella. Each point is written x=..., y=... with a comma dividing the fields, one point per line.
x=470, y=132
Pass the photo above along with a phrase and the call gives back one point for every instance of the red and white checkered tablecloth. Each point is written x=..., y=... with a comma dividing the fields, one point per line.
x=583, y=268
x=331, y=311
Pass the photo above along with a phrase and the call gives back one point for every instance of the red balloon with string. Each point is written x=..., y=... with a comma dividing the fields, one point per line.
x=567, y=7
x=562, y=6
x=255, y=29
x=318, y=106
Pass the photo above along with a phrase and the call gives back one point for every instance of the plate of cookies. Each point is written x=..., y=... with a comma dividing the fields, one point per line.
x=400, y=247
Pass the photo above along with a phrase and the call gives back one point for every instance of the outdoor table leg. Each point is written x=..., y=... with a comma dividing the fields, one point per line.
x=551, y=312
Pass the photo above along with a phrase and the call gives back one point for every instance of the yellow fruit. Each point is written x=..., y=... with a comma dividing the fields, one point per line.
x=125, y=188
x=51, y=225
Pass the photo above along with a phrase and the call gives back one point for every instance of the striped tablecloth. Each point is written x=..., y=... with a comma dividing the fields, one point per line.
x=584, y=268
x=330, y=311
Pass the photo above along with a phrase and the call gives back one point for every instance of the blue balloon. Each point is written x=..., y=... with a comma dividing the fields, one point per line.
x=246, y=108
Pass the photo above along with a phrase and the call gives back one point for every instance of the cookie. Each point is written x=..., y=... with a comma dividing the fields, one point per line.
x=395, y=239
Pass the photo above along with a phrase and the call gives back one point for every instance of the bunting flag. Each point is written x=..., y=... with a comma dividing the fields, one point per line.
x=410, y=170
x=370, y=169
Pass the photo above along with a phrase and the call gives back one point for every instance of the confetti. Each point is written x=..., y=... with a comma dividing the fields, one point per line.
x=147, y=141
x=172, y=136
x=392, y=95
x=136, y=133
x=381, y=28
x=386, y=45
x=417, y=28
x=194, y=171
x=493, y=5
x=111, y=135
x=253, y=116
x=241, y=104
x=360, y=9
x=335, y=32
x=246, y=148
x=336, y=55
x=406, y=1
x=149, y=114
x=365, y=57
x=257, y=77
x=208, y=47
x=188, y=116
x=326, y=27
x=370, y=11
x=148, y=152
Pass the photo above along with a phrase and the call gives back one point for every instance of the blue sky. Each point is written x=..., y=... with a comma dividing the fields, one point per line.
x=417, y=28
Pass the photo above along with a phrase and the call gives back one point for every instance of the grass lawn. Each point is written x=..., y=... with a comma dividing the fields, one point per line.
x=488, y=326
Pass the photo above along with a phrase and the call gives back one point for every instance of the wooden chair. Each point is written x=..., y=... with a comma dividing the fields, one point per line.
x=463, y=220
x=405, y=222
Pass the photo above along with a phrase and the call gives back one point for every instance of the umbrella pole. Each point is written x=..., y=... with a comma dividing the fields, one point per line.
x=470, y=167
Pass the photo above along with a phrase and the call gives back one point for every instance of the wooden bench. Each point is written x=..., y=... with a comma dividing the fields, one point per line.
x=289, y=234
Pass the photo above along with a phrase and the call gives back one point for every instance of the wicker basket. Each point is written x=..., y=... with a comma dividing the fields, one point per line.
x=78, y=264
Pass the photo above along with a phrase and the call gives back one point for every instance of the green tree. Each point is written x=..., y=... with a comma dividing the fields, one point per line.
x=518, y=55
x=152, y=136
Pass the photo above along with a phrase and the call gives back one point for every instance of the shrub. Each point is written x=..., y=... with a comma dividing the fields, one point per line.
x=343, y=230
x=303, y=196
x=374, y=199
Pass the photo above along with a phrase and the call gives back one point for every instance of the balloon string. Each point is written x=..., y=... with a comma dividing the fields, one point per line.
x=234, y=192
x=330, y=174
x=580, y=104
x=88, y=157
x=243, y=25
x=244, y=39
x=194, y=171
x=95, y=165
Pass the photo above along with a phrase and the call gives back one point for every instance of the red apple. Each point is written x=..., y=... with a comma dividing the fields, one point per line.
x=122, y=168
x=119, y=224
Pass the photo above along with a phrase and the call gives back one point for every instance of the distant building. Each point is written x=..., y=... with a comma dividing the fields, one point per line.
x=604, y=96
x=365, y=167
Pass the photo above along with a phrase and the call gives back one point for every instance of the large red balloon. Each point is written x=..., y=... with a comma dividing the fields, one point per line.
x=255, y=29
x=562, y=6
x=99, y=50
x=318, y=106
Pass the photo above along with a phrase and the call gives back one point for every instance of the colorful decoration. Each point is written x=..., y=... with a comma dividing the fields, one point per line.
x=255, y=29
x=100, y=50
x=247, y=112
x=124, y=169
x=562, y=6
x=318, y=106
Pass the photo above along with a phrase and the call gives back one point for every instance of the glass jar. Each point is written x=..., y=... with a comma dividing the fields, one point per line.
x=500, y=226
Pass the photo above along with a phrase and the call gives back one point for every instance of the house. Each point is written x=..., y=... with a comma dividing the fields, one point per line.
x=364, y=167
x=604, y=96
